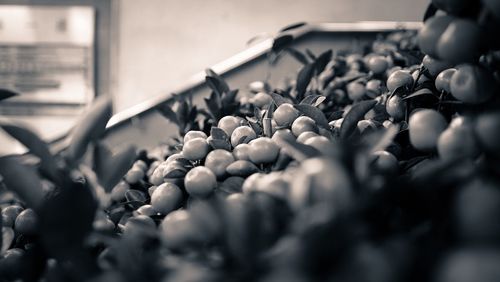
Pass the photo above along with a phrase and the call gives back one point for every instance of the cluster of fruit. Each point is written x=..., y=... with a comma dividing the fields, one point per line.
x=377, y=166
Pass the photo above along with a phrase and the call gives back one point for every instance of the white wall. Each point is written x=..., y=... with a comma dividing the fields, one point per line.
x=164, y=42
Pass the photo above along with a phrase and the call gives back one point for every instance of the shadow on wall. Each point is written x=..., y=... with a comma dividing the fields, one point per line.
x=163, y=42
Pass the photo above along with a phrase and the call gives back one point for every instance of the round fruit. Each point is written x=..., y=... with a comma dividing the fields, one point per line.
x=26, y=222
x=229, y=124
x=443, y=80
x=263, y=150
x=240, y=152
x=323, y=145
x=378, y=64
x=472, y=84
x=458, y=141
x=139, y=222
x=373, y=88
x=200, y=182
x=195, y=149
x=385, y=163
x=251, y=182
x=396, y=108
x=218, y=160
x=9, y=215
x=400, y=78
x=461, y=41
x=194, y=134
x=283, y=134
x=147, y=210
x=356, y=91
x=178, y=229
x=173, y=157
x=486, y=129
x=425, y=127
x=242, y=134
x=366, y=125
x=134, y=175
x=303, y=124
x=261, y=99
x=285, y=114
x=241, y=168
x=306, y=135
x=435, y=66
x=166, y=198
x=429, y=34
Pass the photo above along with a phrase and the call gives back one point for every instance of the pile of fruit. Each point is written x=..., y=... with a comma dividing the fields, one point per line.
x=374, y=166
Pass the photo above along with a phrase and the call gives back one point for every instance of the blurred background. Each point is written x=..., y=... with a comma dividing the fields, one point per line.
x=141, y=49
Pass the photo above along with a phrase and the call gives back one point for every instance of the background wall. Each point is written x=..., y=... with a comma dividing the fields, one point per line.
x=163, y=42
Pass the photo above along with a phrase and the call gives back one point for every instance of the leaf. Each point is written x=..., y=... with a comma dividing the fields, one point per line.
x=112, y=169
x=175, y=173
x=214, y=104
x=314, y=113
x=232, y=184
x=89, y=128
x=336, y=115
x=303, y=79
x=36, y=146
x=218, y=134
x=280, y=42
x=220, y=144
x=278, y=99
x=256, y=127
x=313, y=100
x=22, y=180
x=430, y=11
x=386, y=139
x=323, y=60
x=299, y=151
x=310, y=54
x=6, y=94
x=66, y=219
x=297, y=55
x=423, y=91
x=135, y=195
x=216, y=82
x=166, y=111
x=7, y=239
x=270, y=110
x=293, y=26
x=183, y=113
x=229, y=98
x=356, y=114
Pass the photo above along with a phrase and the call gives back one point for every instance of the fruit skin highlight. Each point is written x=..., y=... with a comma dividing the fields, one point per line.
x=472, y=84
x=200, y=182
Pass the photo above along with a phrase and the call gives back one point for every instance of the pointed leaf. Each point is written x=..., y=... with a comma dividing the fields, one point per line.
x=22, y=180
x=313, y=100
x=116, y=167
x=356, y=114
x=220, y=144
x=299, y=56
x=430, y=11
x=218, y=134
x=280, y=42
x=303, y=79
x=323, y=60
x=175, y=173
x=293, y=26
x=183, y=113
x=89, y=128
x=168, y=113
x=310, y=54
x=218, y=81
x=6, y=94
x=135, y=195
x=314, y=113
x=336, y=115
x=278, y=99
x=270, y=110
x=229, y=98
x=256, y=127
x=299, y=151
x=36, y=146
x=423, y=91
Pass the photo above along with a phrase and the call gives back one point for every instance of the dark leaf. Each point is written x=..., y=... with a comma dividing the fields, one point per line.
x=22, y=180
x=89, y=128
x=232, y=184
x=299, y=56
x=218, y=134
x=314, y=113
x=256, y=127
x=175, y=173
x=356, y=114
x=168, y=113
x=278, y=99
x=270, y=110
x=323, y=60
x=386, y=139
x=299, y=151
x=115, y=167
x=313, y=100
x=257, y=113
x=293, y=26
x=310, y=54
x=7, y=239
x=336, y=115
x=303, y=79
x=214, y=105
x=430, y=11
x=36, y=146
x=66, y=219
x=220, y=144
x=6, y=94
x=423, y=91
x=183, y=113
x=135, y=195
x=280, y=42
x=229, y=98
x=216, y=82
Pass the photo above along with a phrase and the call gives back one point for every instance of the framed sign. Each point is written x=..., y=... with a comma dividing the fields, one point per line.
x=46, y=55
